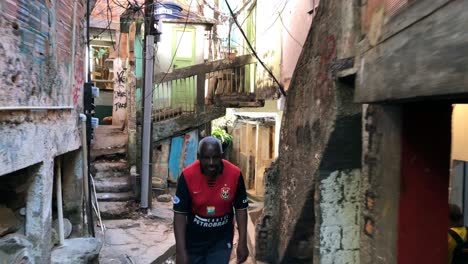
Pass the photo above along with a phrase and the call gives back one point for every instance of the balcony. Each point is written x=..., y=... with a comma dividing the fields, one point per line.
x=200, y=89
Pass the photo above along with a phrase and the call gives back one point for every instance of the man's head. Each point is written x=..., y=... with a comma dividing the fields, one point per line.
x=455, y=216
x=210, y=153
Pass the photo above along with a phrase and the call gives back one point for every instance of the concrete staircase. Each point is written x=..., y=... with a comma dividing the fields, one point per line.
x=111, y=173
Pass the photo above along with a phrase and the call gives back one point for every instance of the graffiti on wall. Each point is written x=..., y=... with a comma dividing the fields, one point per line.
x=78, y=83
x=120, y=91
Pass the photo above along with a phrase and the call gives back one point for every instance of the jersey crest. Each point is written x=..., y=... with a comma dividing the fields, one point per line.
x=225, y=191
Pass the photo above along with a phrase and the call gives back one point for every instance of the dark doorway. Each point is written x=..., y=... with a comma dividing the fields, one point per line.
x=423, y=207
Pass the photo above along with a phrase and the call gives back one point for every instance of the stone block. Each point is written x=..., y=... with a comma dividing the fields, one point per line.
x=347, y=257
x=165, y=198
x=15, y=248
x=330, y=237
x=350, y=239
x=77, y=251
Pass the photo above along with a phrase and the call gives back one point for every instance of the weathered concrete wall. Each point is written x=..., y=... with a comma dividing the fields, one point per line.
x=321, y=132
x=39, y=69
x=380, y=183
x=35, y=54
x=340, y=214
x=27, y=138
x=160, y=166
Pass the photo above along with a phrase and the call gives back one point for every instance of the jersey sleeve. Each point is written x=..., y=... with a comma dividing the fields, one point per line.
x=240, y=200
x=181, y=200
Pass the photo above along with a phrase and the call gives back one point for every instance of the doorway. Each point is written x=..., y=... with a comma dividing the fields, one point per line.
x=424, y=183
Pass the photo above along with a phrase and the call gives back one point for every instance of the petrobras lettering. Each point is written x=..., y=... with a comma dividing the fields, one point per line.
x=211, y=222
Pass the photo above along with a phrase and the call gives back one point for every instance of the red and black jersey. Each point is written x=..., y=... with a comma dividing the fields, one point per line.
x=209, y=206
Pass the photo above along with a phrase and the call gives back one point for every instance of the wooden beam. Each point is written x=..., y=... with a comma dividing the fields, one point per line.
x=421, y=61
x=167, y=128
x=405, y=18
x=204, y=68
x=200, y=101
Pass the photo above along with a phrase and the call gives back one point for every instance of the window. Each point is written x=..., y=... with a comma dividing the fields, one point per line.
x=101, y=67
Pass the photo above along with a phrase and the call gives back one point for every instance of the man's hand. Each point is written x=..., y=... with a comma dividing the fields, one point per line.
x=242, y=252
x=182, y=257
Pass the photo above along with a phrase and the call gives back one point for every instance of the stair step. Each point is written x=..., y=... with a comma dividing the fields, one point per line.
x=102, y=166
x=110, y=174
x=113, y=185
x=115, y=197
x=114, y=210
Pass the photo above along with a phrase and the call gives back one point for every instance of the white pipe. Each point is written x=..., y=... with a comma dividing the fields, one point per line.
x=72, y=67
x=146, y=138
x=59, y=203
x=85, y=160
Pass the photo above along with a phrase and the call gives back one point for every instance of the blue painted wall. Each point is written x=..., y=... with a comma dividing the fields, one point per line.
x=183, y=153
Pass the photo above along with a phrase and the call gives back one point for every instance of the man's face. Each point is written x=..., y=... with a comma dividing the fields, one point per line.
x=210, y=159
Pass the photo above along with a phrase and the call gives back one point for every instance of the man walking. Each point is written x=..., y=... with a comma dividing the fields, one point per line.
x=207, y=191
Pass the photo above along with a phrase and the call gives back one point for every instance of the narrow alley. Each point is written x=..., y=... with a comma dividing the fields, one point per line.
x=233, y=131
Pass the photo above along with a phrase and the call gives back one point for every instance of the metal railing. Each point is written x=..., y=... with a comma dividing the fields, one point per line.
x=189, y=90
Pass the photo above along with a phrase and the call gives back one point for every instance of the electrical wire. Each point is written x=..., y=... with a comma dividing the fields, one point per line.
x=289, y=33
x=254, y=52
x=177, y=48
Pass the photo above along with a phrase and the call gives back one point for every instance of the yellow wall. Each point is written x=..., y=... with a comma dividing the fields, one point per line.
x=460, y=132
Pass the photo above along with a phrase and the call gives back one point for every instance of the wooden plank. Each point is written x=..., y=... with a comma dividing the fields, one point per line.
x=204, y=68
x=200, y=90
x=407, y=17
x=168, y=128
x=423, y=60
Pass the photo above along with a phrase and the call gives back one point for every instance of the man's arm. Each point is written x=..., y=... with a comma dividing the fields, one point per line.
x=180, y=226
x=181, y=208
x=241, y=204
x=242, y=249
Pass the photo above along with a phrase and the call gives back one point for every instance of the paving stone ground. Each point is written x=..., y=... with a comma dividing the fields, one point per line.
x=147, y=239
x=144, y=240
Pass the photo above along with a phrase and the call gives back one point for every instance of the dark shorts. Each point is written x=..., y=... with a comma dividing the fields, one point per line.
x=219, y=253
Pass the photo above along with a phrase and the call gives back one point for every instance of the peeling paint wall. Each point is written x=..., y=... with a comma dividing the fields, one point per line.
x=340, y=217
x=38, y=69
x=35, y=53
x=320, y=134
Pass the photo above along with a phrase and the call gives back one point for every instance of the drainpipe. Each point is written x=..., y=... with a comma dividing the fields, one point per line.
x=85, y=165
x=59, y=202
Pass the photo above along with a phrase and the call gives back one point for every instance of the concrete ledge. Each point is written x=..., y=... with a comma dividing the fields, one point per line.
x=77, y=251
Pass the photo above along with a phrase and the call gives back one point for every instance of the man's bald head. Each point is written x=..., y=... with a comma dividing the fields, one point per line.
x=209, y=140
x=210, y=153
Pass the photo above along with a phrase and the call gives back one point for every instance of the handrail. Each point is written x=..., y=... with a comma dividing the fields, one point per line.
x=204, y=68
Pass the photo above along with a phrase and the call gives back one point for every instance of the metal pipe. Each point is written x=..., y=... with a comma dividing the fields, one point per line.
x=85, y=160
x=59, y=202
x=146, y=140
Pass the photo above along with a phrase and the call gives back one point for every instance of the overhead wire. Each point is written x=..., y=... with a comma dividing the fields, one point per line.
x=176, y=49
x=280, y=86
